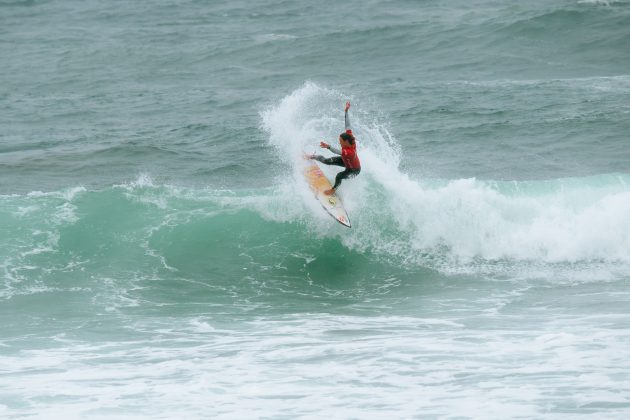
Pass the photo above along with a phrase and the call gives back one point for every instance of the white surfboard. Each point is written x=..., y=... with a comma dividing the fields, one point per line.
x=331, y=203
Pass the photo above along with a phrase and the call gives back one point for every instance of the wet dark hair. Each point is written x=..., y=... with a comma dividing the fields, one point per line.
x=347, y=137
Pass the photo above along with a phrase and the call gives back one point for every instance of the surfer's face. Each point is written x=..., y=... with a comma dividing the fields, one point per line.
x=343, y=142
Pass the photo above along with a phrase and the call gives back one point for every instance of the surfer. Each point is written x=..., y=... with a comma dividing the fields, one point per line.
x=348, y=155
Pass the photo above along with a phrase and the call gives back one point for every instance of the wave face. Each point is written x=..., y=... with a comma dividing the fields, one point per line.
x=399, y=222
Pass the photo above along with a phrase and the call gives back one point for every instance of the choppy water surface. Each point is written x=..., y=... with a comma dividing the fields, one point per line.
x=161, y=256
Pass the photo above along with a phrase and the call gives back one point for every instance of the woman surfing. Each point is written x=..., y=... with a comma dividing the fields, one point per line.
x=347, y=158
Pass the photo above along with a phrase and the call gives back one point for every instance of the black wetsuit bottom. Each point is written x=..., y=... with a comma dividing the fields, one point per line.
x=336, y=160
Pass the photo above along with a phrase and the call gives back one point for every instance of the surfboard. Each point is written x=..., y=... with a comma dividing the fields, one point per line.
x=331, y=203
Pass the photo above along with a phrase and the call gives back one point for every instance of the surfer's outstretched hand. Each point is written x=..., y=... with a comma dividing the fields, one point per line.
x=324, y=145
x=347, y=106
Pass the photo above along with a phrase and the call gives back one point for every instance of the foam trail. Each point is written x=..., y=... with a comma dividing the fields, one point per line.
x=556, y=221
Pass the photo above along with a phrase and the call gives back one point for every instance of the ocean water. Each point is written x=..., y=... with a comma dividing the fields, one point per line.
x=162, y=258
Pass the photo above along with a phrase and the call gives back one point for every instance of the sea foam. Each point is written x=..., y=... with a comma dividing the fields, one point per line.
x=554, y=221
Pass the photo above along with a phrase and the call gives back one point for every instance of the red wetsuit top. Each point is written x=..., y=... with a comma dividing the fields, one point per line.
x=350, y=157
x=349, y=154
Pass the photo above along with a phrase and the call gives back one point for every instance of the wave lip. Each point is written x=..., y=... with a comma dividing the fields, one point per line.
x=549, y=221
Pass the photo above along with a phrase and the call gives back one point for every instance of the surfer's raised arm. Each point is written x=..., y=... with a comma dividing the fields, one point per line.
x=348, y=128
x=333, y=149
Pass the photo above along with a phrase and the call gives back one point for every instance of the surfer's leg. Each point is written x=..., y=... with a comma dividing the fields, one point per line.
x=336, y=160
x=348, y=173
x=340, y=177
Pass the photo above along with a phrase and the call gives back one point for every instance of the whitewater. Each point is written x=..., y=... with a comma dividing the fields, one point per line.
x=563, y=220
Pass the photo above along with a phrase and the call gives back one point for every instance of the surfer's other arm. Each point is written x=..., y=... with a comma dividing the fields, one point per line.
x=333, y=149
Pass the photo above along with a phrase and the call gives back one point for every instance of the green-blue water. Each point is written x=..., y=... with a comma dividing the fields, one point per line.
x=161, y=256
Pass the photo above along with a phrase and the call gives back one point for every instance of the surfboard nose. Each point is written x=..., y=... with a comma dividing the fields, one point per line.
x=343, y=220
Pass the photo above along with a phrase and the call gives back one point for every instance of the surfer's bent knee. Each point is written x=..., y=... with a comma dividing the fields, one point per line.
x=348, y=173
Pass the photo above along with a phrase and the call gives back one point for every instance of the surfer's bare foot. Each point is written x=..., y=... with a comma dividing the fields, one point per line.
x=307, y=156
x=330, y=191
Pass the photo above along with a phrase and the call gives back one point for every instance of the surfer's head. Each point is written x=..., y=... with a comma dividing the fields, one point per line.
x=346, y=139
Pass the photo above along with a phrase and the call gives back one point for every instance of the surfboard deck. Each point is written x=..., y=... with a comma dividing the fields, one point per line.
x=331, y=203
